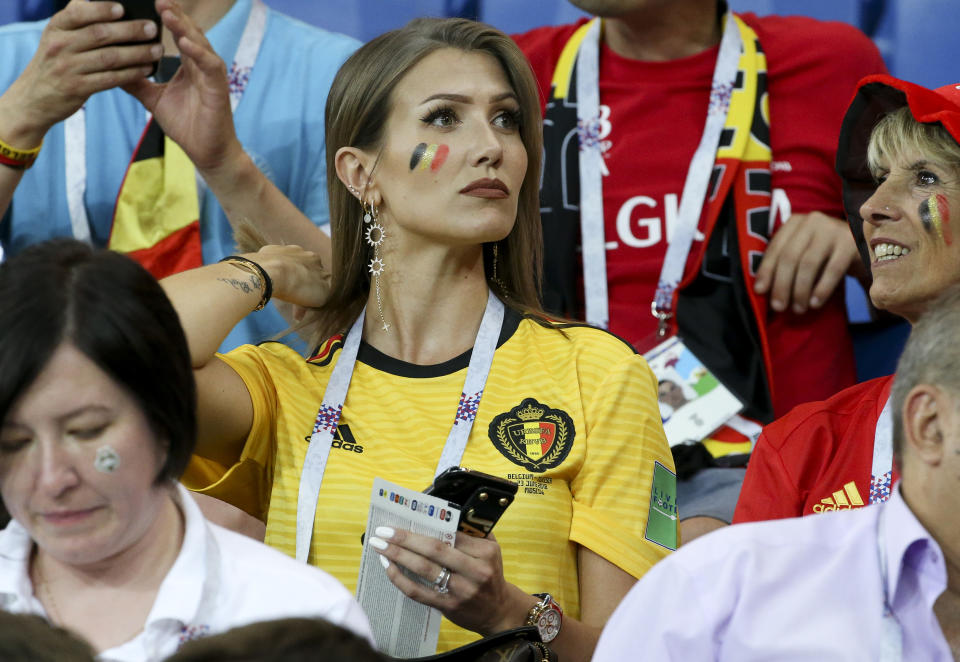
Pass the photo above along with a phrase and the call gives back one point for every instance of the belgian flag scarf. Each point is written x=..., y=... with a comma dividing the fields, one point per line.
x=157, y=215
x=741, y=168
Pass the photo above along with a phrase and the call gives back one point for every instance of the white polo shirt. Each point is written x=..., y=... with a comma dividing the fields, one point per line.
x=220, y=580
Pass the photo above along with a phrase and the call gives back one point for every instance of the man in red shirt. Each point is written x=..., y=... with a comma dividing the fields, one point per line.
x=756, y=297
x=836, y=454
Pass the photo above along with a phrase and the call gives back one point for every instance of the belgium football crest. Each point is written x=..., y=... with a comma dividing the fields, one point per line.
x=533, y=436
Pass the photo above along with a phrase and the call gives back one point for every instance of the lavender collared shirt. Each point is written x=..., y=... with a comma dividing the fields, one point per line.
x=799, y=589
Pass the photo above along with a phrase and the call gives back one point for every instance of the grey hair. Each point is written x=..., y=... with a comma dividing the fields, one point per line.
x=930, y=357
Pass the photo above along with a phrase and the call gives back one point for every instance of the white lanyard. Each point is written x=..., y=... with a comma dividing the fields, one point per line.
x=328, y=416
x=694, y=190
x=891, y=636
x=591, y=180
x=75, y=126
x=881, y=472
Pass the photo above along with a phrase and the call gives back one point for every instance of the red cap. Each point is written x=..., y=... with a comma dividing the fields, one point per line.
x=875, y=97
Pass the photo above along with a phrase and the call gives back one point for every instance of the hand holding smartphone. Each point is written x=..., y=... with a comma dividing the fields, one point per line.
x=142, y=10
x=482, y=498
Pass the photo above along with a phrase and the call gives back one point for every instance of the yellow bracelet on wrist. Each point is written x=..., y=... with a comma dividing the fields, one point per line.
x=19, y=159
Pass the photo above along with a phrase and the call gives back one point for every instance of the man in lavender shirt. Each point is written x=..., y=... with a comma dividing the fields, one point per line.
x=876, y=583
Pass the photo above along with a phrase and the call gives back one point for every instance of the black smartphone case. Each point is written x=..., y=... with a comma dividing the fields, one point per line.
x=481, y=498
x=142, y=10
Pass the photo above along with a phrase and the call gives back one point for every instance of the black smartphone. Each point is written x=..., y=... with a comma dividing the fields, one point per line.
x=481, y=498
x=142, y=10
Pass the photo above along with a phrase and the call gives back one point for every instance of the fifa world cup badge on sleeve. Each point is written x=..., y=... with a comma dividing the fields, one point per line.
x=662, y=517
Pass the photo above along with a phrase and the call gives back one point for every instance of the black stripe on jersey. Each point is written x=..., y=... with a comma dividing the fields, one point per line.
x=377, y=359
x=573, y=325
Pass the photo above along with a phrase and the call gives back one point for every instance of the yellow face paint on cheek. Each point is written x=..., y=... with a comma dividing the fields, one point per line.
x=428, y=155
x=935, y=216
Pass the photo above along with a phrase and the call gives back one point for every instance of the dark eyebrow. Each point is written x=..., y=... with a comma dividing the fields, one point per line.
x=460, y=98
x=919, y=165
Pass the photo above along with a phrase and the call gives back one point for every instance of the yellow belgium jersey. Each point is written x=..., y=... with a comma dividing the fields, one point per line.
x=571, y=415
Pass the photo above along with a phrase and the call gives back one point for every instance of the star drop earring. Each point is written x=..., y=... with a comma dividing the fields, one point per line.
x=375, y=234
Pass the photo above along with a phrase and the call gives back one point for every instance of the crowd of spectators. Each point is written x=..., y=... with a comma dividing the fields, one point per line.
x=232, y=296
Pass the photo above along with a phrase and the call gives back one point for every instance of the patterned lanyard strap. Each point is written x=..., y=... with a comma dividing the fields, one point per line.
x=891, y=636
x=328, y=416
x=75, y=126
x=881, y=472
x=694, y=189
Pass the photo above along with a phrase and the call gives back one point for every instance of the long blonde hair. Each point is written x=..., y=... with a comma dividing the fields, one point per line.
x=358, y=106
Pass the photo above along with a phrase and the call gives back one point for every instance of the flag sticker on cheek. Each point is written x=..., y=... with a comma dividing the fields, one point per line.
x=935, y=216
x=429, y=156
x=107, y=460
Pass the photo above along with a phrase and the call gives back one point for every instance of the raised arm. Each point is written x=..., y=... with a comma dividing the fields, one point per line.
x=194, y=110
x=210, y=301
x=79, y=54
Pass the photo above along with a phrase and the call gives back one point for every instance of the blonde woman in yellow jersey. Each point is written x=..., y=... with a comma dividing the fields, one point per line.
x=431, y=324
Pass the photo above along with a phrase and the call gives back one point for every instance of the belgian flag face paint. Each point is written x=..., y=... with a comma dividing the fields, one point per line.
x=935, y=216
x=428, y=156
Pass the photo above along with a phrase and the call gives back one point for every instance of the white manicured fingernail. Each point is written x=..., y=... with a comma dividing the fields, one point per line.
x=377, y=543
x=384, y=561
x=384, y=532
x=150, y=29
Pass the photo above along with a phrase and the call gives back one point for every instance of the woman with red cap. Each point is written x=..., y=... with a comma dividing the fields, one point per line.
x=899, y=159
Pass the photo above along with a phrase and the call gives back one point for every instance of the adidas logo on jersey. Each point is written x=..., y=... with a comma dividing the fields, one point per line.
x=344, y=440
x=843, y=499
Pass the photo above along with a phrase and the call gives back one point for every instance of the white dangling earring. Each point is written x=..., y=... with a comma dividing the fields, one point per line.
x=374, y=235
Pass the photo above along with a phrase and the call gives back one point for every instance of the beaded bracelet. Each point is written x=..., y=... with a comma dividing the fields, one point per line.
x=252, y=267
x=18, y=159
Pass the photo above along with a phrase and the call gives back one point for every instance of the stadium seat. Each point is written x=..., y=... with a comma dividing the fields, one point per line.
x=328, y=14
x=9, y=12
x=877, y=347
x=848, y=11
x=758, y=7
x=514, y=16
x=924, y=41
x=362, y=19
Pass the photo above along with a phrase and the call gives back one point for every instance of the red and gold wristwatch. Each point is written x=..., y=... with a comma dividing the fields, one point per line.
x=547, y=616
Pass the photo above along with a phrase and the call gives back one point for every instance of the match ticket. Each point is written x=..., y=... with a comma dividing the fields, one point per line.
x=402, y=627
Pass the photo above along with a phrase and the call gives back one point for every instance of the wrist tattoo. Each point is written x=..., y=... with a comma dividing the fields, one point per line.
x=248, y=286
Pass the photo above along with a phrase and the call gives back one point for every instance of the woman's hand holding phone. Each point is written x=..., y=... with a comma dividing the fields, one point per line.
x=481, y=498
x=478, y=597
